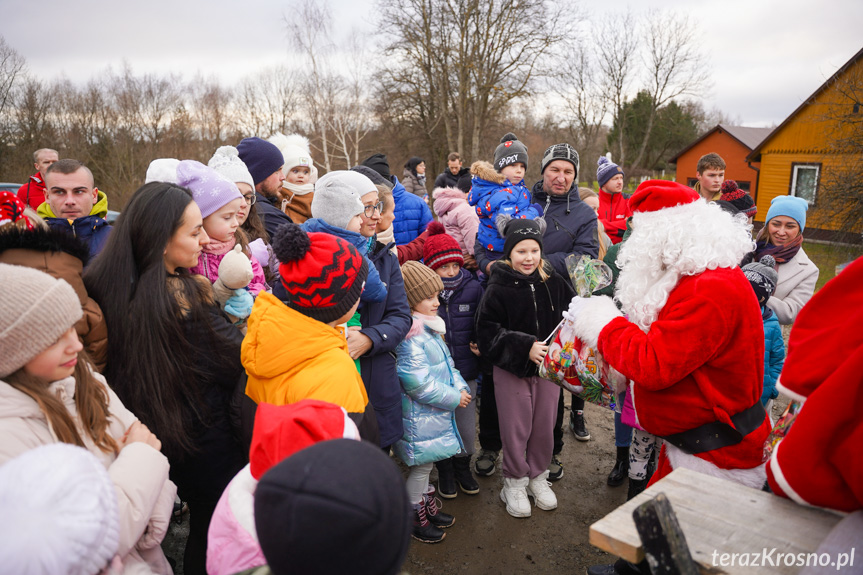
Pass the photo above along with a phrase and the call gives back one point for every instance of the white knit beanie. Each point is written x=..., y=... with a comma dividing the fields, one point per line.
x=338, y=197
x=35, y=311
x=60, y=513
x=162, y=170
x=227, y=162
x=295, y=149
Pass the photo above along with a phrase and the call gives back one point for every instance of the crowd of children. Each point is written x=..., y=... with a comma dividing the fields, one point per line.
x=256, y=420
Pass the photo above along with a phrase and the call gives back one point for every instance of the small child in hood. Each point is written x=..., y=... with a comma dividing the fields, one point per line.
x=280, y=431
x=432, y=388
x=300, y=176
x=499, y=190
x=762, y=277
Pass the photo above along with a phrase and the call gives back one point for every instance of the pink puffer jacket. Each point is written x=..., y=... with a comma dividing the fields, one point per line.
x=456, y=215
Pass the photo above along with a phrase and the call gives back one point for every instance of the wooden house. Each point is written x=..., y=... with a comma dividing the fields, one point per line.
x=733, y=144
x=809, y=155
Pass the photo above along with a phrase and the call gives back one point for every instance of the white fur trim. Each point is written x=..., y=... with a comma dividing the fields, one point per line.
x=787, y=392
x=753, y=477
x=351, y=431
x=594, y=314
x=241, y=500
x=632, y=399
x=780, y=478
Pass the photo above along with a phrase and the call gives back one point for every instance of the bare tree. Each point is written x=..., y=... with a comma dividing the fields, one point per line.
x=674, y=65
x=616, y=60
x=458, y=64
x=13, y=69
x=310, y=29
x=583, y=100
x=267, y=102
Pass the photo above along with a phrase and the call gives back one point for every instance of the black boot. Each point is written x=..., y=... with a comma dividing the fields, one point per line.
x=423, y=530
x=435, y=516
x=446, y=479
x=463, y=476
x=621, y=467
x=636, y=486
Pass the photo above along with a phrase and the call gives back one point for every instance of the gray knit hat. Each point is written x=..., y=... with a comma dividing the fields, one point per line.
x=37, y=311
x=510, y=151
x=762, y=277
x=337, y=196
x=420, y=282
x=560, y=152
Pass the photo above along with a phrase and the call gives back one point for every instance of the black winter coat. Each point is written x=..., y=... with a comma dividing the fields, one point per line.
x=570, y=227
x=517, y=310
x=459, y=314
x=386, y=323
x=270, y=215
x=204, y=474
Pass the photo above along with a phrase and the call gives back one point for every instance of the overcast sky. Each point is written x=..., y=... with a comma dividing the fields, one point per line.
x=766, y=56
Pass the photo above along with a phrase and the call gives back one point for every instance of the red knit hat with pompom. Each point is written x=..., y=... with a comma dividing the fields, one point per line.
x=440, y=247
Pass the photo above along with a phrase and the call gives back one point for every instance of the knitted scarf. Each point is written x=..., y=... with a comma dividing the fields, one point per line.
x=781, y=254
x=298, y=189
x=217, y=248
x=387, y=237
x=450, y=285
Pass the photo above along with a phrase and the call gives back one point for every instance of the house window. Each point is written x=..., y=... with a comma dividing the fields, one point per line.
x=744, y=186
x=804, y=181
x=691, y=182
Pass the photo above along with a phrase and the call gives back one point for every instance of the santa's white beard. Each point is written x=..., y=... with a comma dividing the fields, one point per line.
x=673, y=242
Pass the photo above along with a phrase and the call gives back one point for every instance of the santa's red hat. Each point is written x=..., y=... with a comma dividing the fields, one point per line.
x=818, y=462
x=655, y=195
x=280, y=431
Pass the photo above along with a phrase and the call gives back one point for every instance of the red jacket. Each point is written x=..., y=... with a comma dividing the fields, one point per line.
x=613, y=212
x=701, y=361
x=33, y=192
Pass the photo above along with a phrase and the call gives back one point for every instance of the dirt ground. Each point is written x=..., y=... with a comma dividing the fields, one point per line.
x=486, y=540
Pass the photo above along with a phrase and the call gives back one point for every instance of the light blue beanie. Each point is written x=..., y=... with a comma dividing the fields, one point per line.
x=791, y=206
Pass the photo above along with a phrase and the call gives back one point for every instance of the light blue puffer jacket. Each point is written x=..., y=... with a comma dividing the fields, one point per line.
x=431, y=390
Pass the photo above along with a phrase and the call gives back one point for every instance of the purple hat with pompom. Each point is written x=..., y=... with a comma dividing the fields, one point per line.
x=210, y=189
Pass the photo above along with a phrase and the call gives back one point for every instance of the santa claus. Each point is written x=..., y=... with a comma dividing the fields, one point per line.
x=690, y=338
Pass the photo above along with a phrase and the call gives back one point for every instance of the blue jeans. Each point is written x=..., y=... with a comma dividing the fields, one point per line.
x=622, y=432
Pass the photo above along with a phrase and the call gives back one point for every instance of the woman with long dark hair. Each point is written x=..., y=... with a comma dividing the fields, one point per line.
x=173, y=358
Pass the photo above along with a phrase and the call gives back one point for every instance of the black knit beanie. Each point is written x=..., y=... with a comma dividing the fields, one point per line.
x=518, y=230
x=336, y=507
x=560, y=152
x=510, y=151
x=378, y=162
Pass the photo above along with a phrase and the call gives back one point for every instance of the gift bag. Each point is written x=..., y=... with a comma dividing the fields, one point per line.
x=571, y=364
x=783, y=424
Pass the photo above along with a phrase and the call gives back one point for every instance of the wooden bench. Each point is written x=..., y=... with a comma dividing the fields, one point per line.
x=720, y=517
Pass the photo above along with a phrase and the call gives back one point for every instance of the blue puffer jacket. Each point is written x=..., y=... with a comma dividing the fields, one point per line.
x=492, y=194
x=774, y=354
x=375, y=290
x=459, y=312
x=412, y=214
x=570, y=227
x=431, y=390
x=386, y=323
x=92, y=230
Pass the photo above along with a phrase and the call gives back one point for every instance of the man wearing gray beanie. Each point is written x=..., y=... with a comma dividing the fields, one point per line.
x=264, y=161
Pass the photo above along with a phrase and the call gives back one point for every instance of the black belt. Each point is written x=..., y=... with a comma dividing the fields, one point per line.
x=716, y=435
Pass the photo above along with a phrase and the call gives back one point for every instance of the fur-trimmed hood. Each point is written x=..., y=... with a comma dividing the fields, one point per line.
x=445, y=199
x=485, y=171
x=43, y=240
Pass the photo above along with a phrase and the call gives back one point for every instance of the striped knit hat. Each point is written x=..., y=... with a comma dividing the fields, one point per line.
x=441, y=248
x=323, y=275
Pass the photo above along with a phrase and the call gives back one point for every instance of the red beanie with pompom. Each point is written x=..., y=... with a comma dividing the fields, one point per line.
x=441, y=248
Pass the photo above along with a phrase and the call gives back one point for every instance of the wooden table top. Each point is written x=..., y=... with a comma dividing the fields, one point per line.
x=722, y=517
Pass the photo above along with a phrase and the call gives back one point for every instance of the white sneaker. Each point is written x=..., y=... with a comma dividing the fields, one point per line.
x=540, y=488
x=515, y=496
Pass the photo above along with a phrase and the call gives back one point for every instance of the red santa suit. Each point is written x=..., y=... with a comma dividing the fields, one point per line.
x=819, y=462
x=696, y=360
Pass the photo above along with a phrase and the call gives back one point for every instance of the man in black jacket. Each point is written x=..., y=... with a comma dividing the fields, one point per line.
x=570, y=229
x=265, y=162
x=450, y=176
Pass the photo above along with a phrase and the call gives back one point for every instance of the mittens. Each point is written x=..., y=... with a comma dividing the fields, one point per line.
x=240, y=304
